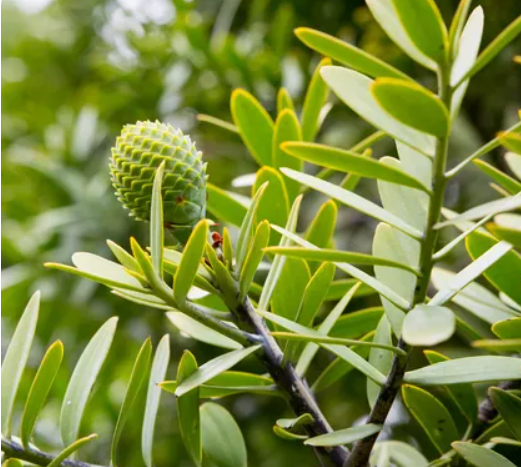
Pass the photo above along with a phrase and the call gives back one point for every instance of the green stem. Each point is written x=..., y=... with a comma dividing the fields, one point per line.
x=359, y=456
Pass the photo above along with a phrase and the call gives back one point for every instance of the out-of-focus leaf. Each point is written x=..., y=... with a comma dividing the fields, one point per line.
x=507, y=227
x=339, y=288
x=427, y=325
x=512, y=141
x=40, y=389
x=288, y=435
x=213, y=368
x=347, y=54
x=16, y=359
x=70, y=450
x=190, y=262
x=217, y=122
x=254, y=257
x=466, y=370
x=316, y=97
x=358, y=323
x=432, y=415
x=499, y=346
x=354, y=89
x=284, y=101
x=508, y=329
x=509, y=406
x=412, y=105
x=223, y=442
x=224, y=206
x=125, y=258
x=502, y=179
x=188, y=409
x=480, y=456
x=402, y=454
x=291, y=423
x=254, y=124
x=156, y=222
x=380, y=358
x=139, y=372
x=346, y=436
x=157, y=374
x=82, y=379
x=513, y=161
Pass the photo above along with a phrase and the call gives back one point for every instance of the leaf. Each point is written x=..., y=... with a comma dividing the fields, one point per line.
x=224, y=206
x=497, y=45
x=463, y=395
x=354, y=89
x=70, y=450
x=402, y=454
x=505, y=273
x=188, y=409
x=341, y=286
x=137, y=377
x=287, y=128
x=508, y=329
x=213, y=368
x=424, y=25
x=512, y=141
x=288, y=435
x=284, y=101
x=456, y=26
x=412, y=104
x=189, y=265
x=16, y=359
x=40, y=389
x=200, y=332
x=321, y=229
x=474, y=298
x=125, y=258
x=291, y=423
x=156, y=222
x=316, y=97
x=357, y=323
x=345, y=436
x=471, y=272
x=380, y=357
x=254, y=124
x=427, y=325
x=514, y=162
x=432, y=415
x=481, y=456
x=254, y=257
x=83, y=378
x=223, y=442
x=351, y=257
x=507, y=227
x=217, y=122
x=246, y=229
x=157, y=374
x=236, y=382
x=508, y=183
x=498, y=346
x=347, y=54
x=466, y=370
x=353, y=200
x=387, y=17
x=509, y=407
x=347, y=161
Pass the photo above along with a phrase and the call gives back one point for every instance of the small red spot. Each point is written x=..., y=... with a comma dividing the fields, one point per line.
x=217, y=240
x=180, y=199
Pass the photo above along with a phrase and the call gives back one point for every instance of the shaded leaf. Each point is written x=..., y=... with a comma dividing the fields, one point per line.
x=481, y=456
x=427, y=325
x=156, y=222
x=345, y=436
x=70, y=450
x=224, y=206
x=254, y=257
x=509, y=407
x=380, y=358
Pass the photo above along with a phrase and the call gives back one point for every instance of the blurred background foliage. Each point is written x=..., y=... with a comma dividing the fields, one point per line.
x=75, y=71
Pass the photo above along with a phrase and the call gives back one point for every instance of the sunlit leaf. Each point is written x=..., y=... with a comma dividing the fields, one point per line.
x=340, y=287
x=512, y=141
x=358, y=323
x=70, y=450
x=217, y=122
x=156, y=222
x=345, y=436
x=224, y=206
x=254, y=257
x=427, y=325
x=480, y=456
x=508, y=329
x=284, y=101
x=321, y=229
x=380, y=358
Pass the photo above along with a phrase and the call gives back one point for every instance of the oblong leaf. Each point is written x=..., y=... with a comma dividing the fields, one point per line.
x=70, y=450
x=224, y=206
x=427, y=325
x=156, y=222
x=83, y=378
x=403, y=454
x=509, y=406
x=345, y=436
x=481, y=456
x=380, y=357
x=321, y=229
x=284, y=100
x=254, y=257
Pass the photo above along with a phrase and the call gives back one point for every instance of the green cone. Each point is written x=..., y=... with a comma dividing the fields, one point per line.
x=139, y=151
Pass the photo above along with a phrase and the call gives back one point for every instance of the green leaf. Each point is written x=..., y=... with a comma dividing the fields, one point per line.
x=412, y=105
x=284, y=101
x=509, y=407
x=40, y=389
x=287, y=128
x=498, y=346
x=16, y=359
x=254, y=124
x=223, y=442
x=291, y=423
x=137, y=377
x=463, y=395
x=471, y=272
x=353, y=200
x=347, y=54
x=387, y=17
x=189, y=265
x=507, y=227
x=224, y=206
x=380, y=357
x=347, y=161
x=481, y=456
x=83, y=378
x=246, y=230
x=70, y=450
x=125, y=258
x=496, y=46
x=339, y=288
x=456, y=26
x=321, y=229
x=312, y=254
x=354, y=89
x=345, y=436
x=157, y=374
x=505, y=273
x=254, y=257
x=175, y=257
x=501, y=440
x=188, y=409
x=200, y=332
x=156, y=222
x=236, y=382
x=288, y=435
x=505, y=181
x=217, y=122
x=402, y=454
x=213, y=368
x=424, y=25
x=12, y=462
x=316, y=97
x=427, y=325
x=508, y=329
x=432, y=415
x=512, y=141
x=513, y=161
x=466, y=370
x=357, y=323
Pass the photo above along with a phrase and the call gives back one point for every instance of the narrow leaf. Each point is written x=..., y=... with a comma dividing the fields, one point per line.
x=509, y=407
x=427, y=325
x=254, y=257
x=70, y=450
x=403, y=454
x=380, y=356
x=156, y=222
x=321, y=229
x=480, y=456
x=224, y=206
x=284, y=101
x=217, y=122
x=345, y=436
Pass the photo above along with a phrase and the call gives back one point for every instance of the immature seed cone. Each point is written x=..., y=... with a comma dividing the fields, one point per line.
x=138, y=153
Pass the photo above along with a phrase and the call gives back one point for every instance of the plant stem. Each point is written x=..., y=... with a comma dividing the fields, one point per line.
x=361, y=452
x=13, y=449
